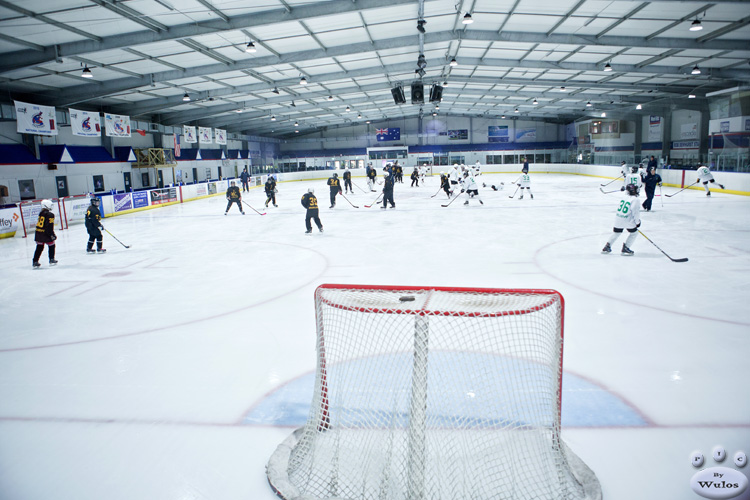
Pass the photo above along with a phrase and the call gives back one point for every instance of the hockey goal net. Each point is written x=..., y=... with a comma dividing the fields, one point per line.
x=30, y=215
x=74, y=209
x=434, y=393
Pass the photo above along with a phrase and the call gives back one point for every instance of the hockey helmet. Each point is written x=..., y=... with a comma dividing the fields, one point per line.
x=47, y=204
x=94, y=201
x=632, y=189
x=232, y=183
x=311, y=190
x=335, y=175
x=634, y=169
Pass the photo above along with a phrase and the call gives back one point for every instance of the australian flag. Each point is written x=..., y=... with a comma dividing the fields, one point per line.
x=388, y=134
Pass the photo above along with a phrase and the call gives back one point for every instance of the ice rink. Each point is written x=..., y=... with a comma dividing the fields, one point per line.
x=173, y=369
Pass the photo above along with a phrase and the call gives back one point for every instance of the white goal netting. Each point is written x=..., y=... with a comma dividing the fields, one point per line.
x=434, y=393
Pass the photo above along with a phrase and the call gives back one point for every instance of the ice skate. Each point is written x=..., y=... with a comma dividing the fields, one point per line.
x=243, y=213
x=532, y=196
x=91, y=250
x=320, y=229
x=607, y=249
x=626, y=251
x=52, y=262
x=481, y=202
x=466, y=202
x=708, y=193
x=308, y=231
x=36, y=265
x=100, y=250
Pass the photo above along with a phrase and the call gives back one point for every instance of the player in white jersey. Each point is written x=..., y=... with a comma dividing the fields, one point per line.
x=628, y=216
x=634, y=177
x=477, y=169
x=525, y=183
x=470, y=187
x=705, y=176
x=624, y=169
x=454, y=176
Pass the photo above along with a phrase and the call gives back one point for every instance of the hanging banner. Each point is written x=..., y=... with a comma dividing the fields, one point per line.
x=188, y=134
x=497, y=133
x=34, y=119
x=654, y=128
x=116, y=125
x=84, y=123
x=204, y=135
x=220, y=135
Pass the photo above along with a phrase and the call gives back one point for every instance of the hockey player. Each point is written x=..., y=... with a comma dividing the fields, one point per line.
x=650, y=182
x=499, y=187
x=244, y=179
x=234, y=196
x=372, y=174
x=624, y=170
x=477, y=169
x=45, y=235
x=335, y=185
x=388, y=180
x=348, y=182
x=454, y=176
x=634, y=177
x=446, y=185
x=414, y=177
x=270, y=188
x=470, y=187
x=94, y=226
x=525, y=183
x=310, y=202
x=705, y=176
x=627, y=217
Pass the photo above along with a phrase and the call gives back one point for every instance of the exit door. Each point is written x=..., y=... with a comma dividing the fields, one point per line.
x=126, y=179
x=160, y=178
x=62, y=186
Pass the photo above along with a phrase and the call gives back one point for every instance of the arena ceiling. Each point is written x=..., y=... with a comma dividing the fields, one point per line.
x=547, y=59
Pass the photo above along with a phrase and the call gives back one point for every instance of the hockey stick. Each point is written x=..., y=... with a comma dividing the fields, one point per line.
x=613, y=180
x=118, y=241
x=347, y=199
x=358, y=187
x=681, y=190
x=684, y=259
x=609, y=192
x=374, y=202
x=661, y=195
x=514, y=192
x=454, y=199
x=438, y=192
x=246, y=203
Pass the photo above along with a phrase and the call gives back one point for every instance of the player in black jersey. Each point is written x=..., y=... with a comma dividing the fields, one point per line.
x=94, y=226
x=45, y=234
x=270, y=188
x=234, y=196
x=335, y=186
x=310, y=202
x=348, y=181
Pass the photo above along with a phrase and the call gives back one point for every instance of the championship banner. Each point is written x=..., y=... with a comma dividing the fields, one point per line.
x=189, y=134
x=204, y=135
x=34, y=119
x=116, y=125
x=84, y=123
x=220, y=135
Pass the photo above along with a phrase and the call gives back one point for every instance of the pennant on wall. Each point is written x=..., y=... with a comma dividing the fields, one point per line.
x=116, y=125
x=220, y=135
x=188, y=134
x=35, y=119
x=204, y=135
x=84, y=123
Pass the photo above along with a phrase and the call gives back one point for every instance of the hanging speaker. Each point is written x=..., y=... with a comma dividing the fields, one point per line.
x=417, y=93
x=398, y=95
x=436, y=93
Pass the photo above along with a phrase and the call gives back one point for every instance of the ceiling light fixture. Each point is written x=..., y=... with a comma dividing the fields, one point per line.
x=367, y=122
x=515, y=110
x=445, y=84
x=330, y=98
x=696, y=25
x=434, y=114
x=86, y=73
x=604, y=115
x=691, y=96
x=503, y=117
x=453, y=62
x=639, y=107
x=275, y=90
x=562, y=89
x=359, y=115
x=273, y=118
x=303, y=81
x=186, y=97
x=696, y=70
x=296, y=124
x=250, y=48
x=467, y=19
x=588, y=104
x=607, y=67
x=535, y=101
x=296, y=131
x=348, y=109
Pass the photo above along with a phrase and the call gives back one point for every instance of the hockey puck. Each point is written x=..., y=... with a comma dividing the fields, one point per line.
x=406, y=298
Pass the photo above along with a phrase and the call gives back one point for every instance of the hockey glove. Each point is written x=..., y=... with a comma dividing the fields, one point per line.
x=101, y=227
x=54, y=237
x=638, y=225
x=463, y=190
x=622, y=188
